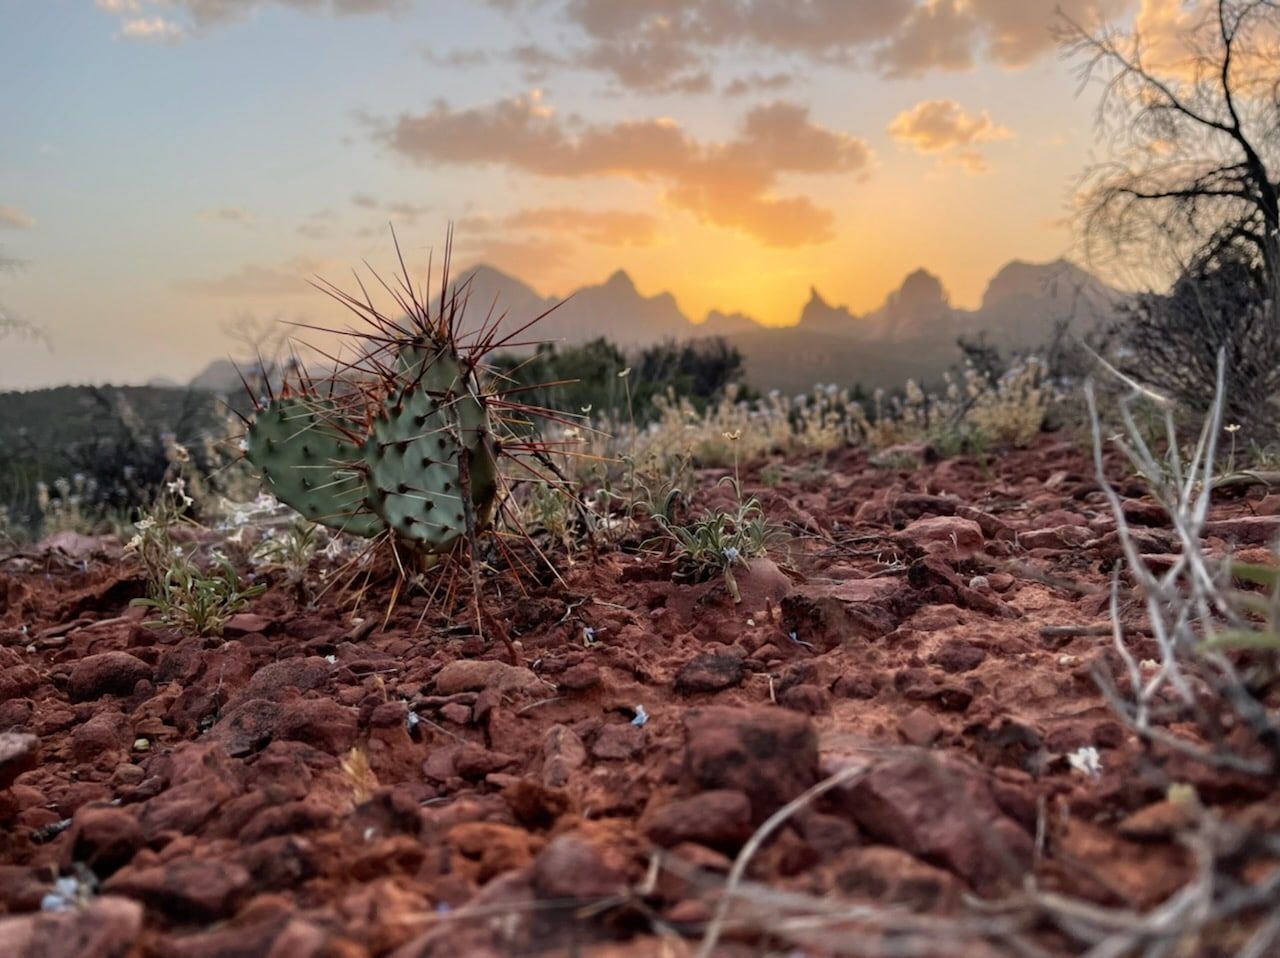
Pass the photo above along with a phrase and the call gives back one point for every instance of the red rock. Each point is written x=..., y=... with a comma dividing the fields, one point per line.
x=805, y=698
x=320, y=723
x=474, y=762
x=1059, y=538
x=468, y=675
x=107, y=927
x=493, y=848
x=720, y=818
x=618, y=742
x=186, y=890
x=562, y=754
x=991, y=526
x=892, y=876
x=573, y=866
x=457, y=713
x=18, y=681
x=244, y=623
x=711, y=672
x=302, y=674
x=107, y=673
x=579, y=678
x=104, y=733
x=19, y=753
x=22, y=887
x=957, y=655
x=105, y=839
x=769, y=754
x=854, y=687
x=949, y=536
x=920, y=727
x=1245, y=530
x=942, y=811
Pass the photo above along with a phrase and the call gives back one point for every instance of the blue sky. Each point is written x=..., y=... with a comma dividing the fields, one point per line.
x=170, y=164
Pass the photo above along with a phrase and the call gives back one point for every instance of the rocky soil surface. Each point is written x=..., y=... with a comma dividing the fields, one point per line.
x=310, y=785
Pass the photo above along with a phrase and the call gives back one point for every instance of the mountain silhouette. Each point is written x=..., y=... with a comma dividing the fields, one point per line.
x=912, y=333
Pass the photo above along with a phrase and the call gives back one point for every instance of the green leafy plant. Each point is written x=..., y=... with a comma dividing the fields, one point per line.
x=719, y=541
x=191, y=598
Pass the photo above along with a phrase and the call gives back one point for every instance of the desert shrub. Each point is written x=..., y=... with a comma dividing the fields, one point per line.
x=88, y=458
x=985, y=402
x=599, y=380
x=1222, y=302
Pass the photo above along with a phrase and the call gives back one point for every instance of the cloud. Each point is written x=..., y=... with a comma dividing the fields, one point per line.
x=151, y=20
x=233, y=215
x=668, y=45
x=729, y=184
x=757, y=82
x=457, y=58
x=287, y=279
x=939, y=35
x=401, y=211
x=971, y=161
x=933, y=126
x=13, y=218
x=599, y=227
x=649, y=62
x=151, y=28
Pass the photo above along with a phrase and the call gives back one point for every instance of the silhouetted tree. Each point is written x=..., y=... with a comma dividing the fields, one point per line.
x=1190, y=194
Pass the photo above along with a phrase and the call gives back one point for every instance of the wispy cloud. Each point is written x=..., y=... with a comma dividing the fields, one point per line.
x=599, y=227
x=15, y=219
x=233, y=215
x=173, y=20
x=729, y=184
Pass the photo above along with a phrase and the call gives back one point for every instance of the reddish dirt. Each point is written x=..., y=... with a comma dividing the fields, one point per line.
x=209, y=785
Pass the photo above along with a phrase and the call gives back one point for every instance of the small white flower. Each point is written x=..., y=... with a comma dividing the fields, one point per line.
x=331, y=659
x=1086, y=761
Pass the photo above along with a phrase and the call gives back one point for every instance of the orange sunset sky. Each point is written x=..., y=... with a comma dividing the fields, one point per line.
x=170, y=164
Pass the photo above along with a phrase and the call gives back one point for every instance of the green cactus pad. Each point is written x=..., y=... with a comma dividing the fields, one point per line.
x=413, y=451
x=308, y=462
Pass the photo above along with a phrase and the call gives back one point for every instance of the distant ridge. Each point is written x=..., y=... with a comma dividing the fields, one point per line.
x=913, y=333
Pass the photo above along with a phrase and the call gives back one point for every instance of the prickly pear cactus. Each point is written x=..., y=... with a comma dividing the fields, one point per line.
x=425, y=425
x=309, y=463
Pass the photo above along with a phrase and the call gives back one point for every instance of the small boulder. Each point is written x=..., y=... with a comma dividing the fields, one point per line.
x=711, y=672
x=473, y=675
x=186, y=890
x=105, y=839
x=943, y=812
x=949, y=536
x=720, y=818
x=771, y=755
x=573, y=866
x=618, y=742
x=107, y=673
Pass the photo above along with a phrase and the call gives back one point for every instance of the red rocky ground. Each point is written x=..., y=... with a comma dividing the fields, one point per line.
x=208, y=786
